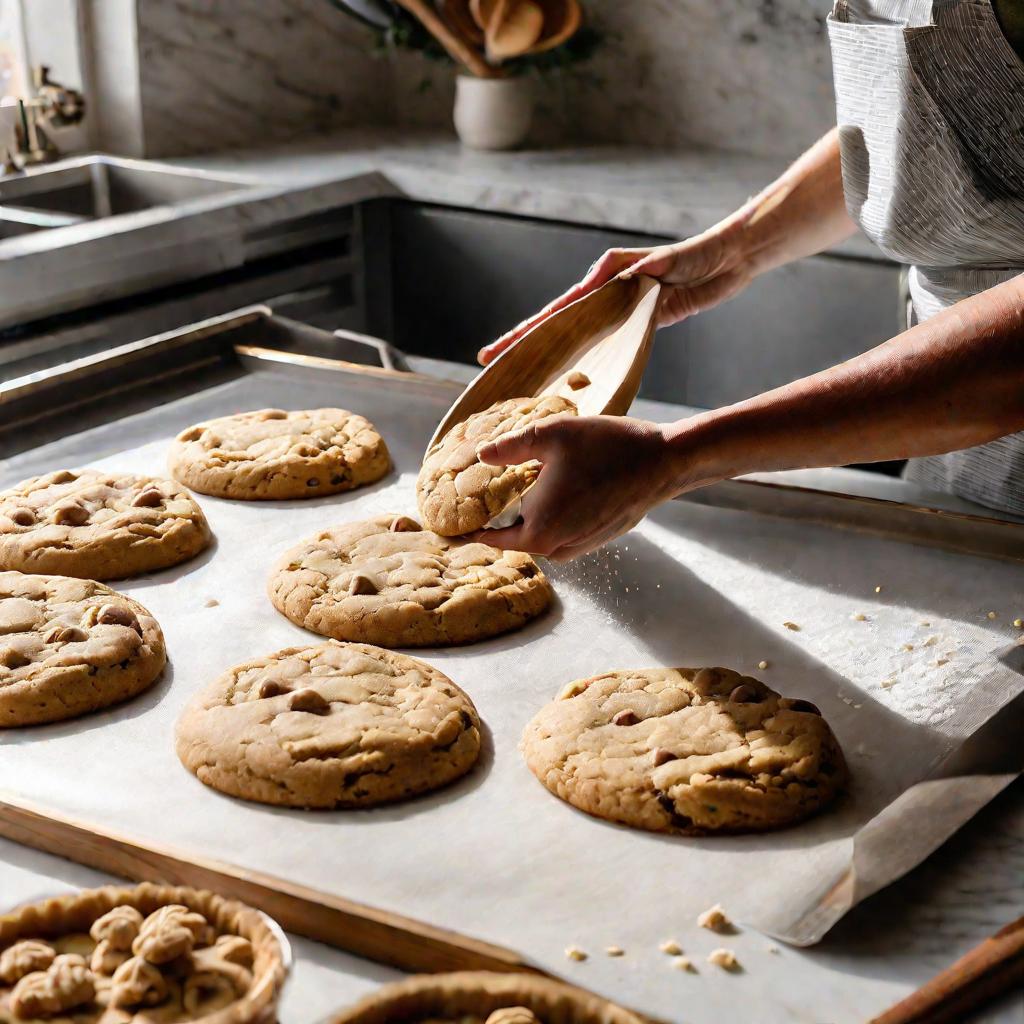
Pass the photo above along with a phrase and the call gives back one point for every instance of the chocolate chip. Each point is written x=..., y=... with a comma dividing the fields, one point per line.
x=270, y=688
x=71, y=514
x=798, y=704
x=337, y=479
x=275, y=414
x=118, y=615
x=312, y=482
x=403, y=524
x=22, y=517
x=10, y=658
x=149, y=498
x=528, y=571
x=625, y=717
x=663, y=756
x=745, y=694
x=361, y=585
x=66, y=635
x=62, y=477
x=310, y=702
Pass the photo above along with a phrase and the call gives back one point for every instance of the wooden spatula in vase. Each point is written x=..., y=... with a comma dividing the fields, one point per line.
x=593, y=352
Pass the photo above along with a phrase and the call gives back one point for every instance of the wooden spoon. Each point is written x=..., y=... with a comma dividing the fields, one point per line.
x=460, y=18
x=510, y=27
x=562, y=19
x=592, y=352
x=456, y=46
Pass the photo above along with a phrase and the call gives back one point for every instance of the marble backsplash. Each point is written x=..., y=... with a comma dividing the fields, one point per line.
x=745, y=75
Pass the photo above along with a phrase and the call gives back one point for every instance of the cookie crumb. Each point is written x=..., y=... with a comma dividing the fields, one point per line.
x=878, y=589
x=908, y=647
x=614, y=951
x=939, y=662
x=714, y=919
x=671, y=948
x=993, y=615
x=684, y=963
x=724, y=958
x=924, y=622
x=793, y=626
x=931, y=641
x=762, y=665
x=575, y=953
x=774, y=950
x=1019, y=623
x=211, y=603
x=859, y=617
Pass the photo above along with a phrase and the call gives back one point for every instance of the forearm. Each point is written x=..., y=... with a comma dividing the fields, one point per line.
x=950, y=383
x=801, y=213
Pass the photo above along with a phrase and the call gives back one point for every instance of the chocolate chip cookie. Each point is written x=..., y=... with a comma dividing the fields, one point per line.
x=456, y=492
x=387, y=581
x=483, y=997
x=685, y=750
x=335, y=725
x=271, y=453
x=97, y=525
x=70, y=646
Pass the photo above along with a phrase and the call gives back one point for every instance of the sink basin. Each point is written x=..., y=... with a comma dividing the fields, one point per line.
x=103, y=186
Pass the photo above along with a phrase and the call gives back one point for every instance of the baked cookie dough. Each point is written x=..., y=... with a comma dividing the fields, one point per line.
x=334, y=725
x=389, y=582
x=139, y=956
x=456, y=492
x=271, y=453
x=100, y=526
x=685, y=750
x=483, y=997
x=70, y=646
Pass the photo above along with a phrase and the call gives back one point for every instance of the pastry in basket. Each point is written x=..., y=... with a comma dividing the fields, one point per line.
x=335, y=725
x=482, y=997
x=456, y=492
x=98, y=525
x=388, y=581
x=151, y=954
x=685, y=750
x=271, y=453
x=70, y=646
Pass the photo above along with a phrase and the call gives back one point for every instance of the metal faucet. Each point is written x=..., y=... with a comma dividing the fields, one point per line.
x=53, y=106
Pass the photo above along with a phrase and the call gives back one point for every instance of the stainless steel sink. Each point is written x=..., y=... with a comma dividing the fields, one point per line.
x=100, y=186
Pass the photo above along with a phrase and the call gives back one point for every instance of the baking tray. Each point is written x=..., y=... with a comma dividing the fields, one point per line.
x=531, y=875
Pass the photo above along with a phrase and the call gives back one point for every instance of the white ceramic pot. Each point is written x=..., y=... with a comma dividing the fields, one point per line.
x=492, y=113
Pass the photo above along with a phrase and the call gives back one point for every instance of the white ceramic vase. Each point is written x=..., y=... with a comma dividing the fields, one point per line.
x=492, y=113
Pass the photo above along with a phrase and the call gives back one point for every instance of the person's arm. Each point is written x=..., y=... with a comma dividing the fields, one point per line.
x=799, y=214
x=955, y=381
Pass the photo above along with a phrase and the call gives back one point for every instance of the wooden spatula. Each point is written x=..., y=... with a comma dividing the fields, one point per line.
x=603, y=339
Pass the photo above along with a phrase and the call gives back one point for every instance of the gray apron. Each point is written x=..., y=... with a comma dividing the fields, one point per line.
x=930, y=104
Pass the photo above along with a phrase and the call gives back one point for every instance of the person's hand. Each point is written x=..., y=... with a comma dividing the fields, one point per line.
x=599, y=476
x=696, y=274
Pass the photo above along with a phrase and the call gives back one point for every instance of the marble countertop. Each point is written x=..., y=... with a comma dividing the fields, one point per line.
x=673, y=193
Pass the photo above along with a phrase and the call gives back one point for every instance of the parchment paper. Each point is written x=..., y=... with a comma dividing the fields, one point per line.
x=496, y=855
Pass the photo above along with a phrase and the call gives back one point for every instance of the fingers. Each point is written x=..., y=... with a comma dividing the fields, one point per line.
x=603, y=270
x=531, y=443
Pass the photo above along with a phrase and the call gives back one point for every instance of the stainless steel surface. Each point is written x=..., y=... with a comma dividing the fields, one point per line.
x=148, y=226
x=103, y=186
